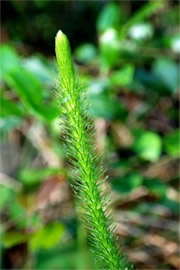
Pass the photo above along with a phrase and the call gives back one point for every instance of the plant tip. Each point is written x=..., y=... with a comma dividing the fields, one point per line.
x=59, y=34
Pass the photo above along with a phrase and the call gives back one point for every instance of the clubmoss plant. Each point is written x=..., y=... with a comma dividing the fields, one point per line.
x=81, y=151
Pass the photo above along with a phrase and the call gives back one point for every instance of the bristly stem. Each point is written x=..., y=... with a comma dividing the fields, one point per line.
x=80, y=149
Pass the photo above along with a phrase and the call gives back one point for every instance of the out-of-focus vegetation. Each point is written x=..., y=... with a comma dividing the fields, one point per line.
x=127, y=54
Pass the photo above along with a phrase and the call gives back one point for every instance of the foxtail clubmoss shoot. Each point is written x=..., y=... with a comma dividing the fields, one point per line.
x=80, y=147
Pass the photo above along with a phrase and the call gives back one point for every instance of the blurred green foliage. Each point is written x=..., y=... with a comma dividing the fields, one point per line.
x=128, y=60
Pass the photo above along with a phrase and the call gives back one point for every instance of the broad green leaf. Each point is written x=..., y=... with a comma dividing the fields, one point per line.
x=17, y=213
x=97, y=86
x=172, y=143
x=26, y=86
x=156, y=187
x=172, y=205
x=148, y=146
x=8, y=107
x=34, y=220
x=120, y=165
x=11, y=239
x=122, y=77
x=30, y=91
x=145, y=79
x=127, y=183
x=35, y=176
x=40, y=68
x=66, y=257
x=106, y=107
x=109, y=17
x=9, y=59
x=60, y=257
x=6, y=195
x=47, y=237
x=100, y=100
x=167, y=73
x=86, y=52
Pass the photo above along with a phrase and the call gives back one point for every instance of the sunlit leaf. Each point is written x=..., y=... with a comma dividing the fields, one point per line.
x=47, y=237
x=122, y=77
x=86, y=52
x=30, y=91
x=9, y=59
x=148, y=146
x=35, y=176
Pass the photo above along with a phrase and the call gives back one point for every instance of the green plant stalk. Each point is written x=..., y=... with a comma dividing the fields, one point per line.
x=81, y=151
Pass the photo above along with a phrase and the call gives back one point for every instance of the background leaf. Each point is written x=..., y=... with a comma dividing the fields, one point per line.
x=148, y=146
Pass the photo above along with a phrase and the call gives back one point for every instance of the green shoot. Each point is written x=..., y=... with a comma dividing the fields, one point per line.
x=88, y=174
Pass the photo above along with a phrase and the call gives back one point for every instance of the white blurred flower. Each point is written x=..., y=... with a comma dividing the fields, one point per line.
x=175, y=44
x=141, y=31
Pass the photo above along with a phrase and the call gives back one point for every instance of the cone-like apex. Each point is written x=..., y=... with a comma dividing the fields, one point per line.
x=61, y=39
x=59, y=34
x=64, y=60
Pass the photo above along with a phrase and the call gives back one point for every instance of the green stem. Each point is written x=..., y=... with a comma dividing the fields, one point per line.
x=80, y=148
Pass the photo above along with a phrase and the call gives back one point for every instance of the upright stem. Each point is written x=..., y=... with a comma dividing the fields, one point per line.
x=80, y=148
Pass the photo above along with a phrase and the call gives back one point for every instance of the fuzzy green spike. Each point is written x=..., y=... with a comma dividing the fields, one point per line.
x=81, y=153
